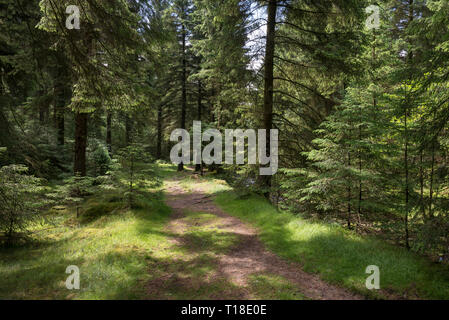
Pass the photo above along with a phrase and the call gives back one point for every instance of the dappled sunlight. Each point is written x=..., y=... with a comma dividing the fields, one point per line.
x=110, y=250
x=338, y=255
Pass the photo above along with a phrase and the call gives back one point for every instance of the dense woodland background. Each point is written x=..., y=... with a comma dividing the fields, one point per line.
x=362, y=114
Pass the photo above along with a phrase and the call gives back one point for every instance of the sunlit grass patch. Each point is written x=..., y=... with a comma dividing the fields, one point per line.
x=205, y=235
x=214, y=240
x=273, y=287
x=111, y=252
x=207, y=184
x=338, y=255
x=196, y=218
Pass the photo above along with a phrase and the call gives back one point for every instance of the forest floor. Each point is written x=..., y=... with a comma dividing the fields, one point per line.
x=196, y=238
x=230, y=253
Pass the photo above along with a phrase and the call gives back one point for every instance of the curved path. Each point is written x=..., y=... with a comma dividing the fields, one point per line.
x=237, y=259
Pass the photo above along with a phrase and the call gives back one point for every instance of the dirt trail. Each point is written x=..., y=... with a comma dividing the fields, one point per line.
x=248, y=255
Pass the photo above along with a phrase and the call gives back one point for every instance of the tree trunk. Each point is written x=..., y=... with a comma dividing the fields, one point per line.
x=421, y=184
x=200, y=107
x=159, y=132
x=407, y=244
x=128, y=129
x=61, y=125
x=43, y=108
x=359, y=209
x=432, y=173
x=80, y=143
x=61, y=95
x=407, y=187
x=184, y=89
x=268, y=86
x=109, y=131
x=349, y=194
x=59, y=109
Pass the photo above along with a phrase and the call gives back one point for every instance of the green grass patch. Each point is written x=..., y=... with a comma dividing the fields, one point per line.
x=273, y=287
x=338, y=255
x=208, y=184
x=111, y=246
x=99, y=210
x=196, y=218
x=203, y=234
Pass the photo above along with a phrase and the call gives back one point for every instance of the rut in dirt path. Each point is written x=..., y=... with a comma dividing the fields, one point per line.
x=248, y=255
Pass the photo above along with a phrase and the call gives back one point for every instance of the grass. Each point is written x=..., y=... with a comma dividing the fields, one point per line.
x=208, y=183
x=191, y=273
x=121, y=253
x=338, y=255
x=130, y=254
x=111, y=254
x=195, y=274
x=110, y=245
x=204, y=236
x=273, y=287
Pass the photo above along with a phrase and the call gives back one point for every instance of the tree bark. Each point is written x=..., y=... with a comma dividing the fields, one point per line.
x=109, y=131
x=184, y=89
x=421, y=184
x=407, y=192
x=198, y=167
x=359, y=209
x=432, y=173
x=80, y=143
x=128, y=130
x=59, y=109
x=61, y=96
x=268, y=86
x=159, y=132
x=349, y=194
x=407, y=187
x=43, y=108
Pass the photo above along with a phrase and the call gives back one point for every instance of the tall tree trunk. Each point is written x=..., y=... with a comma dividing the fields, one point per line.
x=61, y=97
x=43, y=108
x=421, y=183
x=159, y=132
x=81, y=118
x=432, y=172
x=184, y=86
x=61, y=125
x=349, y=194
x=200, y=107
x=359, y=209
x=59, y=108
x=407, y=244
x=268, y=84
x=43, y=111
x=80, y=143
x=109, y=131
x=407, y=186
x=200, y=100
x=128, y=130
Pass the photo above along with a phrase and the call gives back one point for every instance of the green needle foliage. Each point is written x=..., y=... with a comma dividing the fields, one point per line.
x=362, y=113
x=20, y=201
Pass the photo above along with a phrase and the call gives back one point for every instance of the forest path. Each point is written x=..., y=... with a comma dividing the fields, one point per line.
x=234, y=262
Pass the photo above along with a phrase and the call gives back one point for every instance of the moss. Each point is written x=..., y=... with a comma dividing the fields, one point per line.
x=97, y=211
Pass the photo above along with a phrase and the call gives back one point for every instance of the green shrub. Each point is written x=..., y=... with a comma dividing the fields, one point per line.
x=19, y=201
x=100, y=159
x=97, y=211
